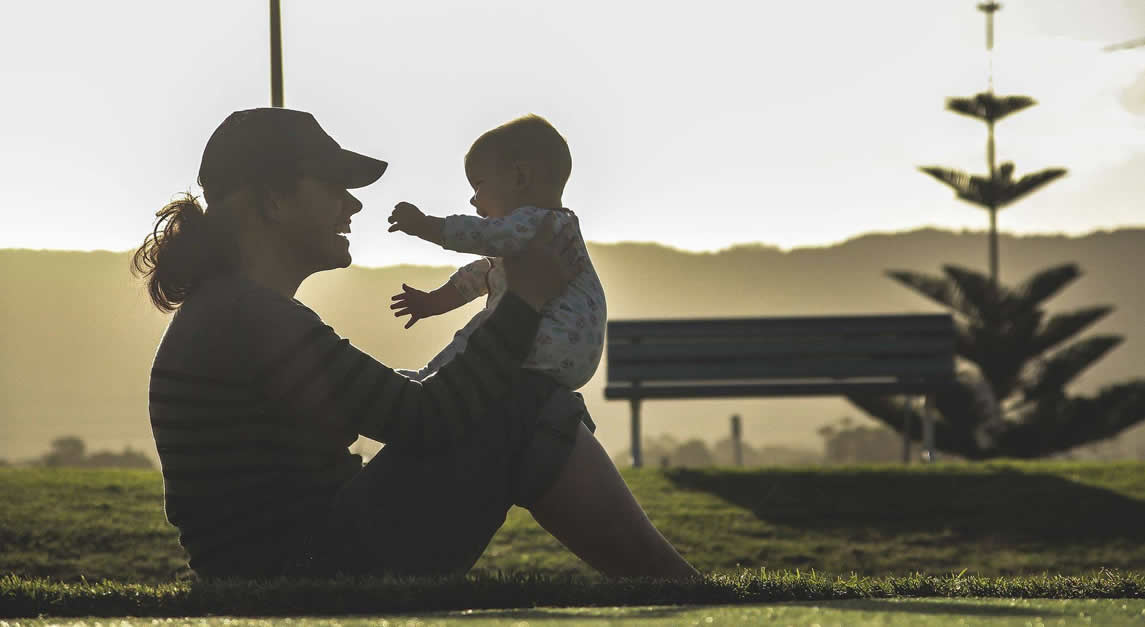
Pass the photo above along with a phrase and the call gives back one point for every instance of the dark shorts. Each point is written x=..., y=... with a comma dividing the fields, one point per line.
x=413, y=513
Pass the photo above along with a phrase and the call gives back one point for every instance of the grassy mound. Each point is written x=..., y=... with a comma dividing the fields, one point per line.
x=988, y=519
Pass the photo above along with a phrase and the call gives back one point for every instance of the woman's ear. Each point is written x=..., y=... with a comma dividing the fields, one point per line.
x=271, y=204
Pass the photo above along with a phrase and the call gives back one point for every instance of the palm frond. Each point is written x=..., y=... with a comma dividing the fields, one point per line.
x=1005, y=192
x=958, y=181
x=972, y=189
x=977, y=290
x=955, y=429
x=1001, y=363
x=938, y=289
x=1065, y=365
x=1060, y=424
x=966, y=344
x=1020, y=327
x=989, y=107
x=1041, y=286
x=1063, y=326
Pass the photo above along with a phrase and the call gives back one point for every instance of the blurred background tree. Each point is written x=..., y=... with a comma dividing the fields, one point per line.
x=1010, y=397
x=70, y=451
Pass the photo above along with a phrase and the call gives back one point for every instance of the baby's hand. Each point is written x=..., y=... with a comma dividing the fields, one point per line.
x=407, y=219
x=414, y=303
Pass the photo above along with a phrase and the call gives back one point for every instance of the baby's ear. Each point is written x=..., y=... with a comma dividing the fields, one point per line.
x=523, y=171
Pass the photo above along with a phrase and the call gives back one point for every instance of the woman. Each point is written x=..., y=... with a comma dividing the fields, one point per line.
x=254, y=401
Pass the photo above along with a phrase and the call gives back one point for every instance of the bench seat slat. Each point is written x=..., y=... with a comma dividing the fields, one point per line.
x=780, y=347
x=743, y=390
x=776, y=368
x=743, y=328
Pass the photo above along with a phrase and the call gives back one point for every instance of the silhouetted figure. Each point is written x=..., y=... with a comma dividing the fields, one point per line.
x=254, y=400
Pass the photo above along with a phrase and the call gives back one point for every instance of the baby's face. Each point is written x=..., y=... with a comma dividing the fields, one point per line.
x=494, y=188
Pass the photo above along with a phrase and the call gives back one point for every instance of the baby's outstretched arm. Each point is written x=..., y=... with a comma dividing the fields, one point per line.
x=465, y=285
x=497, y=237
x=489, y=237
x=418, y=304
x=410, y=220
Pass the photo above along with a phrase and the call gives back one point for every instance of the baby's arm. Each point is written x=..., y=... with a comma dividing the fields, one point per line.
x=494, y=237
x=489, y=237
x=465, y=285
x=410, y=220
x=469, y=280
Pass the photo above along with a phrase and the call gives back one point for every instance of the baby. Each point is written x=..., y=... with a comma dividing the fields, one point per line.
x=518, y=173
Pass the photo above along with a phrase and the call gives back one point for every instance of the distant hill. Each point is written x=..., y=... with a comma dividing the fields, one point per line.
x=79, y=334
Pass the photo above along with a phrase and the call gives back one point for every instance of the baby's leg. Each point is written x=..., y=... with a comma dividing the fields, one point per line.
x=591, y=511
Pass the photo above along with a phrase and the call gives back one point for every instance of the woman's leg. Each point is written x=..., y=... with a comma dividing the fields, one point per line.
x=410, y=512
x=591, y=511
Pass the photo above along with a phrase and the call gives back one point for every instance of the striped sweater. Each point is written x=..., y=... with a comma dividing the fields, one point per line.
x=254, y=402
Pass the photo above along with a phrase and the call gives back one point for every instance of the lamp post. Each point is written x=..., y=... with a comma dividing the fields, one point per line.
x=275, y=54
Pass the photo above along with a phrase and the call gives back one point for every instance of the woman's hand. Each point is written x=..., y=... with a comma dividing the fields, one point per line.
x=543, y=270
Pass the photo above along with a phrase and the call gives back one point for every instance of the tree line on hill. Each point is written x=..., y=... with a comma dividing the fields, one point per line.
x=71, y=452
x=846, y=441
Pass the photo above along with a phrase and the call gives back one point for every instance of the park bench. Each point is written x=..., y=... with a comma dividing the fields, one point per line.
x=783, y=356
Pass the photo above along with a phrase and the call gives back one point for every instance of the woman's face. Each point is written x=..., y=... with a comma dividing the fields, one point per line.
x=312, y=222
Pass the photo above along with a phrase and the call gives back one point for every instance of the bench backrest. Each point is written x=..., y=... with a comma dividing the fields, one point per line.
x=797, y=355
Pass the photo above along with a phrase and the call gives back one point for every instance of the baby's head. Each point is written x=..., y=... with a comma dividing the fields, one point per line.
x=522, y=162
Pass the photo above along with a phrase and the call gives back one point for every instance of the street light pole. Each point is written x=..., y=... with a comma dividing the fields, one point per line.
x=275, y=54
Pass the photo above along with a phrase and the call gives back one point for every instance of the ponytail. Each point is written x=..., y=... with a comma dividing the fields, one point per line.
x=183, y=249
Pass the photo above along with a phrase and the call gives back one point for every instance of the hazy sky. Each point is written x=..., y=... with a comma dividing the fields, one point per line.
x=698, y=125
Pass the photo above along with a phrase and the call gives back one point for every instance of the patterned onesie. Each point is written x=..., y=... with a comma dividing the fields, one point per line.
x=570, y=340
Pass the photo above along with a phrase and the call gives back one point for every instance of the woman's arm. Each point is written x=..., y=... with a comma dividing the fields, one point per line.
x=308, y=372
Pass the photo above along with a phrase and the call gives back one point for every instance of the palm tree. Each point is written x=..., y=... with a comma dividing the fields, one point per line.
x=999, y=188
x=1006, y=334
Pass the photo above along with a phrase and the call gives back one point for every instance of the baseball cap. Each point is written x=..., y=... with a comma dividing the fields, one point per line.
x=254, y=145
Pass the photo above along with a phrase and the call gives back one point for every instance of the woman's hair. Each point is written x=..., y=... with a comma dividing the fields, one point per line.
x=189, y=245
x=184, y=248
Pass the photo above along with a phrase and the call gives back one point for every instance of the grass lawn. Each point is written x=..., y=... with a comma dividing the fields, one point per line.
x=886, y=545
x=989, y=519
x=22, y=597
x=861, y=613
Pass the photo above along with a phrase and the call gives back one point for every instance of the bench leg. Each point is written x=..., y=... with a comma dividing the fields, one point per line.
x=906, y=433
x=637, y=455
x=928, y=410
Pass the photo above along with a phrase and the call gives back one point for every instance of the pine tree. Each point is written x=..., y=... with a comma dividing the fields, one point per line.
x=1012, y=402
